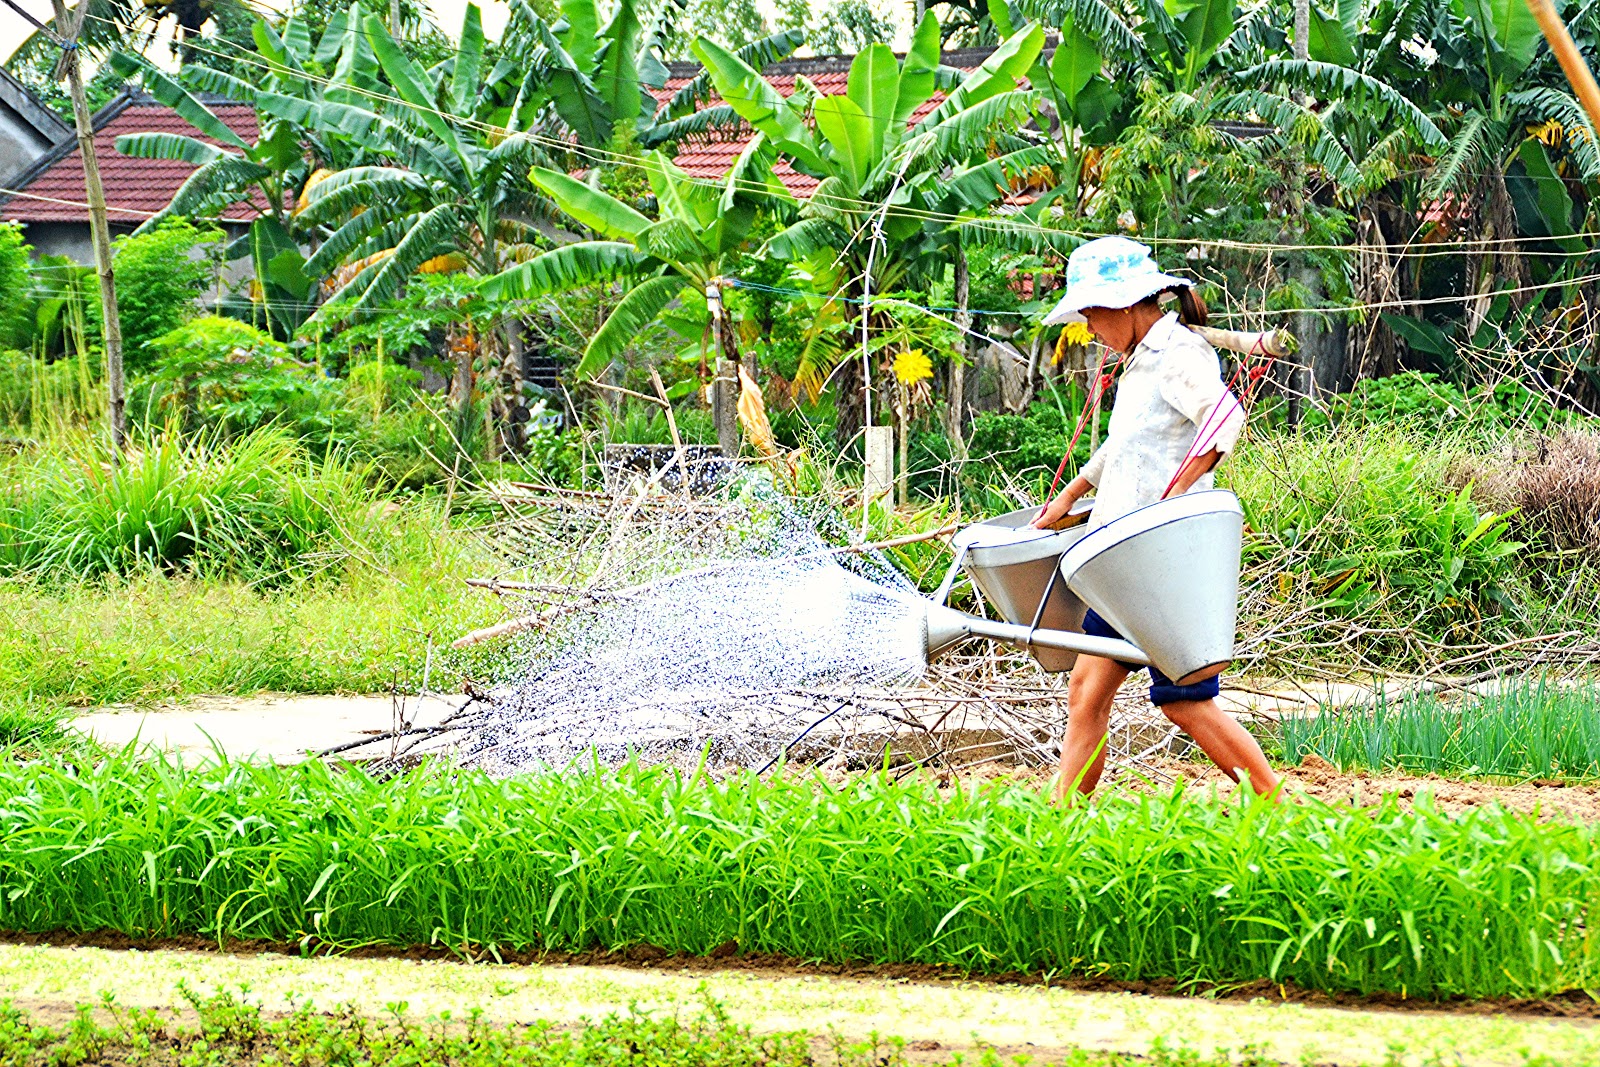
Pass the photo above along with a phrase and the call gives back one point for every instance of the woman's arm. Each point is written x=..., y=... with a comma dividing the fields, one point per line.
x=1193, y=471
x=1057, y=509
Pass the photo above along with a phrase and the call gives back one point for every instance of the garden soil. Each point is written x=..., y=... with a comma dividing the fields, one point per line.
x=1319, y=779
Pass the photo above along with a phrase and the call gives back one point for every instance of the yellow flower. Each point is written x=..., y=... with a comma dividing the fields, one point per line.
x=1549, y=133
x=1077, y=333
x=911, y=367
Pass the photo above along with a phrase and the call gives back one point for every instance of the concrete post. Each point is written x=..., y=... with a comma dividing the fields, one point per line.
x=879, y=477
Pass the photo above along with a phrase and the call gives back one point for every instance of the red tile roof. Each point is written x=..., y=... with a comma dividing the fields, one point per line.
x=135, y=188
x=708, y=156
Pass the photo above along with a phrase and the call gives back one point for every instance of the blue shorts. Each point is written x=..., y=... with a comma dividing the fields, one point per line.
x=1162, y=689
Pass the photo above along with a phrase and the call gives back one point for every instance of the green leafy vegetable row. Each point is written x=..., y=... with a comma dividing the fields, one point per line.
x=1488, y=903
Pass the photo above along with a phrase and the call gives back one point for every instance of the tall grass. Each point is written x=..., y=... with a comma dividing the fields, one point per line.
x=254, y=505
x=156, y=638
x=1534, y=730
x=1486, y=903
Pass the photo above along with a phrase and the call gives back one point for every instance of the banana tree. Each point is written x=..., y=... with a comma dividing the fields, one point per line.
x=1355, y=106
x=270, y=173
x=594, y=81
x=1510, y=138
x=439, y=190
x=673, y=258
x=882, y=172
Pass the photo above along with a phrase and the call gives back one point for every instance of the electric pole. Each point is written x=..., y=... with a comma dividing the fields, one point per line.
x=111, y=326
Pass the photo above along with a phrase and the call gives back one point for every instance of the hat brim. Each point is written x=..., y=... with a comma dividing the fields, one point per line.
x=1120, y=294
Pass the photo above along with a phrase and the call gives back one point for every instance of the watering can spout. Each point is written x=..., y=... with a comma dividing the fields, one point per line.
x=947, y=626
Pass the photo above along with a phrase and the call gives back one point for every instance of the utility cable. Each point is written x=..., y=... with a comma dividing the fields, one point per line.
x=613, y=158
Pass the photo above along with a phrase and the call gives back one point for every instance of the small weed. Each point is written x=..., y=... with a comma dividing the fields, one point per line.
x=229, y=1032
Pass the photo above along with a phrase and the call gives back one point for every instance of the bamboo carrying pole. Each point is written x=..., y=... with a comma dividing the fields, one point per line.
x=1571, y=60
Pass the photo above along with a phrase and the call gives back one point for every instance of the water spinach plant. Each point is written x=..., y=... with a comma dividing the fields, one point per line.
x=1487, y=903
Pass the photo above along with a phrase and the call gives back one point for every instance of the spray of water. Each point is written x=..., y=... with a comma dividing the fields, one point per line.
x=748, y=633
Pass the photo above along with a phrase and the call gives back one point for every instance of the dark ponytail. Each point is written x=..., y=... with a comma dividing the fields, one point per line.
x=1191, y=309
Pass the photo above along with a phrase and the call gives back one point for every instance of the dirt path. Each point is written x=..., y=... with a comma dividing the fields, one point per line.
x=284, y=728
x=1318, y=778
x=936, y=1018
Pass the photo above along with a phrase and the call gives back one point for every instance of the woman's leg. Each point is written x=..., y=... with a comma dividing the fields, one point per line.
x=1093, y=684
x=1229, y=745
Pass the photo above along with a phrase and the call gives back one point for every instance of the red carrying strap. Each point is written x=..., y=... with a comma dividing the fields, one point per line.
x=1207, y=435
x=1091, y=406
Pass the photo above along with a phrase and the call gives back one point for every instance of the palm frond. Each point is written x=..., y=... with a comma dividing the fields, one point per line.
x=1463, y=158
x=570, y=267
x=432, y=235
x=161, y=86
x=1094, y=17
x=170, y=146
x=821, y=353
x=804, y=238
x=672, y=239
x=225, y=180
x=980, y=186
x=719, y=118
x=1332, y=80
x=344, y=243
x=1300, y=125
x=357, y=186
x=211, y=80
x=959, y=136
x=1018, y=235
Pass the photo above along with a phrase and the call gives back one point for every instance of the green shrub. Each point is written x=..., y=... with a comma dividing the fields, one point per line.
x=1030, y=445
x=16, y=286
x=1423, y=399
x=1363, y=524
x=38, y=397
x=159, y=281
x=226, y=375
x=67, y=313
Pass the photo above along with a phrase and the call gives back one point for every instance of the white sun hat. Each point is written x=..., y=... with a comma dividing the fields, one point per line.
x=1109, y=272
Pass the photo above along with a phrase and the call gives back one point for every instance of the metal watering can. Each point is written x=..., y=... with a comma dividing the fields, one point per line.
x=1166, y=576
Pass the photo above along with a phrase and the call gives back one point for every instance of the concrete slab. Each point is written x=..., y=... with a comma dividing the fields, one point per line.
x=271, y=727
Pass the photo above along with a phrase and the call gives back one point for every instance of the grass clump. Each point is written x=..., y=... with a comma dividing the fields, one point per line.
x=1487, y=903
x=1536, y=730
x=203, y=565
x=1367, y=549
x=254, y=506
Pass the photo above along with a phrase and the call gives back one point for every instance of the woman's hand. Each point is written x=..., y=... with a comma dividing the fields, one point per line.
x=1057, y=509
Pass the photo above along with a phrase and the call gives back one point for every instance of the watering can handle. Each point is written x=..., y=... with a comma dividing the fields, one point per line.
x=943, y=592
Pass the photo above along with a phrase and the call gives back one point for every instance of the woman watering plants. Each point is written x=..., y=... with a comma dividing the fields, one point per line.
x=1171, y=423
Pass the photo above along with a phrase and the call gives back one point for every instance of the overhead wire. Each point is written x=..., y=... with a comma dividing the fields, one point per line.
x=624, y=159
x=601, y=156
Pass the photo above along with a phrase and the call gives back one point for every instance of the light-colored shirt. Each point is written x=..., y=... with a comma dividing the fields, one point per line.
x=1170, y=392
